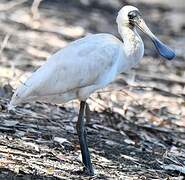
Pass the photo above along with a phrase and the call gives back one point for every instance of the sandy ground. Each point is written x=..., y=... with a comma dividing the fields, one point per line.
x=137, y=124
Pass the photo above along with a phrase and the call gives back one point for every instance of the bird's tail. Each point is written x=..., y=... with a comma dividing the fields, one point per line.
x=18, y=97
x=15, y=100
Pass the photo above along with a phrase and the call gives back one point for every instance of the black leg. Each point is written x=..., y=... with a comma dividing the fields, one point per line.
x=87, y=114
x=82, y=139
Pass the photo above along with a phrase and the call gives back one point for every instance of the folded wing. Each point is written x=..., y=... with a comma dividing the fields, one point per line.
x=82, y=63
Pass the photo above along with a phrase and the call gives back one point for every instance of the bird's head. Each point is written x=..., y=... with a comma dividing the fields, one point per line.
x=129, y=16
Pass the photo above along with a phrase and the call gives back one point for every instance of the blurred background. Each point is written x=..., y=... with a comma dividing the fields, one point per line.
x=137, y=124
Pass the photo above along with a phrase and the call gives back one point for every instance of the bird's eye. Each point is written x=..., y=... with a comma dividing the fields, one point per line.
x=132, y=14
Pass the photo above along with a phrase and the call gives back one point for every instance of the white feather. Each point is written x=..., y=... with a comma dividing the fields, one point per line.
x=82, y=67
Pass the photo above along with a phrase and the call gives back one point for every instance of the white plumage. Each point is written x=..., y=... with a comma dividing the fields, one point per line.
x=86, y=65
x=82, y=67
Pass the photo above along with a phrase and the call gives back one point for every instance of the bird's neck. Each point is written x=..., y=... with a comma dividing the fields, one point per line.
x=132, y=43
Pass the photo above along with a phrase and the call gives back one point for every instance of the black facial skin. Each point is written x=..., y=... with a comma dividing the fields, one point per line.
x=133, y=16
x=135, y=19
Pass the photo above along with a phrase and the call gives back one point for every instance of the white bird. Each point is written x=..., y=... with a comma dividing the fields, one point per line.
x=86, y=65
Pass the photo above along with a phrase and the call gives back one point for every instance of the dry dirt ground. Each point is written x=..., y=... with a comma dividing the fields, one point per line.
x=137, y=124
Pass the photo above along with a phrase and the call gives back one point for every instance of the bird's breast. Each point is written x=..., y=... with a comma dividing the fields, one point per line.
x=134, y=50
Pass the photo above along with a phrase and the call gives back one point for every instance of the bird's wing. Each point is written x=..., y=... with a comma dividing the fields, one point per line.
x=80, y=64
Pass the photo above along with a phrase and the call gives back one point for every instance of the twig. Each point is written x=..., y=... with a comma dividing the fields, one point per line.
x=11, y=4
x=35, y=9
x=4, y=43
x=2, y=150
x=98, y=103
x=174, y=167
x=162, y=130
x=161, y=78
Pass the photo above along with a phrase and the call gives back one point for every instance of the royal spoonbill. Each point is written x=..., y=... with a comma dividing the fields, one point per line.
x=86, y=65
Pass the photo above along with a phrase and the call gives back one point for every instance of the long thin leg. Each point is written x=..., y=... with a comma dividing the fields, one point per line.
x=82, y=139
x=87, y=114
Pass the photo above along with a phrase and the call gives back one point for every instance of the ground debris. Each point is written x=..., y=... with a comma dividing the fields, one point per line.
x=137, y=124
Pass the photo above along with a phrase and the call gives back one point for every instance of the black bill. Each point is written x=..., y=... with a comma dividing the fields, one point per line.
x=163, y=50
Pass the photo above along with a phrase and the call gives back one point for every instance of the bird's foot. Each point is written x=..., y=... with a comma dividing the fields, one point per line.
x=88, y=171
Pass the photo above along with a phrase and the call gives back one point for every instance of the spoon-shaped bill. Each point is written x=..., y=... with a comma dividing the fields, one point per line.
x=162, y=49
